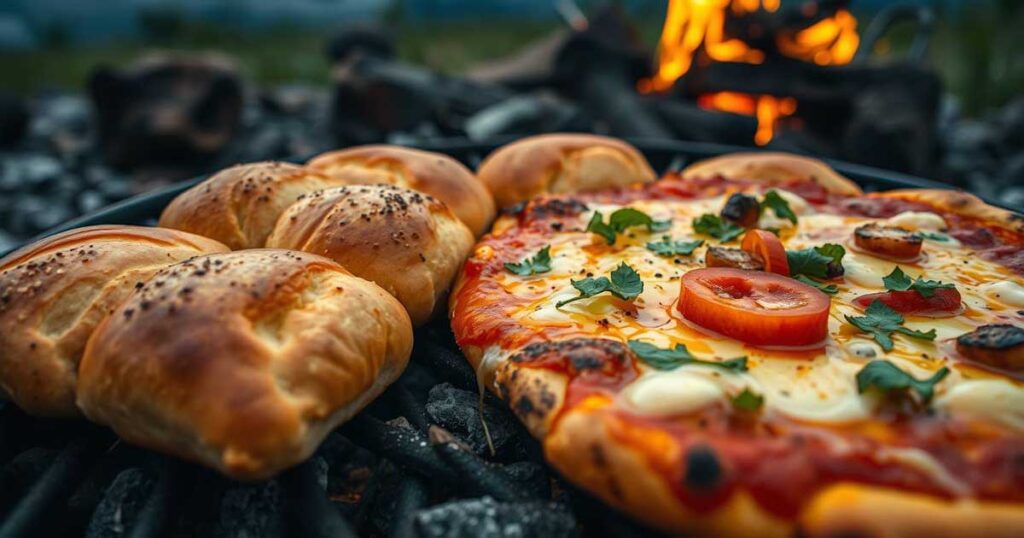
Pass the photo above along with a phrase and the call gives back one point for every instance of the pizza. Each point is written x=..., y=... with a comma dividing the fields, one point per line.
x=754, y=346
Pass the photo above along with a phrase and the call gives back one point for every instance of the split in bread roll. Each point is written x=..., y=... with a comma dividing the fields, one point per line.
x=772, y=167
x=407, y=242
x=238, y=206
x=432, y=173
x=243, y=361
x=54, y=292
x=557, y=163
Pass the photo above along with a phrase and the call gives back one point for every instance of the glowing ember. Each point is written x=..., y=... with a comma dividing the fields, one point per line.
x=698, y=26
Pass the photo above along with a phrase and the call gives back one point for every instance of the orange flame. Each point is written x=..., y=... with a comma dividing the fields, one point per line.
x=693, y=24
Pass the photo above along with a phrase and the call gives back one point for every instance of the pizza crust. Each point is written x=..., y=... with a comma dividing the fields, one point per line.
x=773, y=167
x=961, y=203
x=582, y=447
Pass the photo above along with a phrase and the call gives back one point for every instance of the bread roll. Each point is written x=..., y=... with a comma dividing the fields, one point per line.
x=238, y=206
x=557, y=163
x=435, y=174
x=772, y=167
x=243, y=361
x=54, y=292
x=407, y=242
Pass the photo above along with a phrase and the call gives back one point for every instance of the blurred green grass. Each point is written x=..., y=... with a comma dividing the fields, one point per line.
x=979, y=53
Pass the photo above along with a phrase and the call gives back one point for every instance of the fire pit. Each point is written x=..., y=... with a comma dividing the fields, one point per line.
x=414, y=463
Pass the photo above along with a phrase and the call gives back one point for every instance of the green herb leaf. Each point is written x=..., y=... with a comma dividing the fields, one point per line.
x=541, y=263
x=897, y=280
x=597, y=226
x=881, y=321
x=625, y=283
x=830, y=289
x=941, y=238
x=621, y=219
x=748, y=400
x=714, y=226
x=779, y=205
x=669, y=359
x=667, y=247
x=815, y=261
x=886, y=376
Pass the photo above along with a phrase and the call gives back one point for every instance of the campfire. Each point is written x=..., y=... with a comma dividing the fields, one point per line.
x=750, y=32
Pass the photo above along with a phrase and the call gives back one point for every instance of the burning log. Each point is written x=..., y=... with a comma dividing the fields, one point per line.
x=166, y=110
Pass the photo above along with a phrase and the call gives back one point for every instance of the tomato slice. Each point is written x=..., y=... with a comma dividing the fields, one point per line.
x=766, y=245
x=945, y=301
x=754, y=307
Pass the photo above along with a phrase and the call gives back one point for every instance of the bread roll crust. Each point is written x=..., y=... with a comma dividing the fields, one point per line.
x=408, y=243
x=243, y=361
x=239, y=206
x=54, y=292
x=557, y=163
x=431, y=173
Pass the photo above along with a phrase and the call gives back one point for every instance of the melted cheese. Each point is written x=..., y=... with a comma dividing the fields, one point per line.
x=1007, y=292
x=818, y=388
x=917, y=220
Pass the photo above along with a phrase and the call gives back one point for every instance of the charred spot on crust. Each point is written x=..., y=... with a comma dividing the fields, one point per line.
x=576, y=354
x=513, y=210
x=703, y=469
x=524, y=406
x=555, y=208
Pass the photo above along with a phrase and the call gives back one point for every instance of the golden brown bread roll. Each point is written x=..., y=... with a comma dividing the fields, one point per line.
x=243, y=361
x=407, y=242
x=432, y=173
x=54, y=292
x=772, y=167
x=238, y=206
x=555, y=163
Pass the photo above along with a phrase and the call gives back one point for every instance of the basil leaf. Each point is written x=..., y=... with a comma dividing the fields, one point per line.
x=881, y=321
x=540, y=263
x=941, y=238
x=625, y=283
x=667, y=247
x=886, y=376
x=779, y=205
x=748, y=400
x=714, y=226
x=897, y=280
x=830, y=289
x=668, y=359
x=621, y=219
x=597, y=226
x=818, y=262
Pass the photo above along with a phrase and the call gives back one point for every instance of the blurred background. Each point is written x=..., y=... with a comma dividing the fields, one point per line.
x=100, y=100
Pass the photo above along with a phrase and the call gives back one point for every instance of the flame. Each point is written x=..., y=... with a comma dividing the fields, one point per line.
x=692, y=26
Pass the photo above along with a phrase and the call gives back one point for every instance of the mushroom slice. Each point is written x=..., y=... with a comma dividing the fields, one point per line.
x=888, y=241
x=733, y=257
x=1001, y=346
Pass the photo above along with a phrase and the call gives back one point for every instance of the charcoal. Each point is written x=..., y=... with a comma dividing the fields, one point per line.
x=90, y=201
x=120, y=507
x=395, y=510
x=476, y=477
x=524, y=115
x=405, y=446
x=458, y=411
x=13, y=119
x=23, y=470
x=531, y=477
x=485, y=518
x=248, y=511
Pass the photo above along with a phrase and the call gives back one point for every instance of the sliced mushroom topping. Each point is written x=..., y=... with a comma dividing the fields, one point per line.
x=888, y=241
x=733, y=257
x=741, y=209
x=1001, y=346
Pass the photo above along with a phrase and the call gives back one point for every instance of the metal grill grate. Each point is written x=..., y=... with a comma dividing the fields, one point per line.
x=414, y=463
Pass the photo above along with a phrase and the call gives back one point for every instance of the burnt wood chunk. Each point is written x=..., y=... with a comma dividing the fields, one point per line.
x=733, y=257
x=741, y=209
x=1000, y=346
